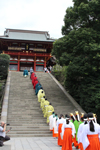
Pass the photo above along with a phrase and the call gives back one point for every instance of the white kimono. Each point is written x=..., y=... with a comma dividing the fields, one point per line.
x=55, y=125
x=79, y=134
x=86, y=131
x=51, y=122
x=60, y=121
x=70, y=125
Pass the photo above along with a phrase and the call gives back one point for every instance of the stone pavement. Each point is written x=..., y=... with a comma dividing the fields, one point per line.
x=32, y=143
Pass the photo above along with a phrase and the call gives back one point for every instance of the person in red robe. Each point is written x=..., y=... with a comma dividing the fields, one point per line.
x=36, y=81
x=32, y=75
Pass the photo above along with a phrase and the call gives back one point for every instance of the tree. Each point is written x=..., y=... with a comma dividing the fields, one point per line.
x=84, y=14
x=79, y=49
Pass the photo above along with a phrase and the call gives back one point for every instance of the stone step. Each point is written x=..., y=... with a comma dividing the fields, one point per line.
x=30, y=135
x=28, y=125
x=26, y=119
x=31, y=121
x=23, y=110
x=20, y=128
x=29, y=130
x=25, y=114
x=23, y=117
x=22, y=113
x=23, y=105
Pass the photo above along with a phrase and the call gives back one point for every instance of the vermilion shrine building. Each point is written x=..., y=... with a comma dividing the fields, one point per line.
x=26, y=48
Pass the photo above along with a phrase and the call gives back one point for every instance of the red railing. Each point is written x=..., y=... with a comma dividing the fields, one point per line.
x=28, y=54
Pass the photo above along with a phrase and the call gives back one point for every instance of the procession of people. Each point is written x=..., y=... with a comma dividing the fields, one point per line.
x=81, y=131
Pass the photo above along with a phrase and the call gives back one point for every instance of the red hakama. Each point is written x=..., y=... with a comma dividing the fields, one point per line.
x=81, y=146
x=60, y=141
x=94, y=142
x=67, y=139
x=54, y=134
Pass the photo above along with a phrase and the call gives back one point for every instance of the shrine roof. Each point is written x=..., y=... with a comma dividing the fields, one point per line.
x=18, y=34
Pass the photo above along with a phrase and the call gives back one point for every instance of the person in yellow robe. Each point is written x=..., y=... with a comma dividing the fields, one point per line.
x=46, y=103
x=49, y=111
x=41, y=93
x=42, y=102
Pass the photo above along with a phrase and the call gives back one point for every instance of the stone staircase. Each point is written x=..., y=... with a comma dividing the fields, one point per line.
x=55, y=95
x=24, y=113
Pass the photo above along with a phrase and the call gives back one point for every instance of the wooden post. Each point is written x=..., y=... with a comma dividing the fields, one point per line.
x=45, y=63
x=18, y=69
x=35, y=66
x=35, y=63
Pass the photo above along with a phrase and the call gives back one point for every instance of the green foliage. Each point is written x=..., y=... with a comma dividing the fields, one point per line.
x=59, y=72
x=79, y=50
x=0, y=86
x=5, y=56
x=84, y=14
x=4, y=65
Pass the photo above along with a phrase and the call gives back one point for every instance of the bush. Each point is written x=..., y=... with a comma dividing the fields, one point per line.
x=5, y=56
x=59, y=73
x=4, y=65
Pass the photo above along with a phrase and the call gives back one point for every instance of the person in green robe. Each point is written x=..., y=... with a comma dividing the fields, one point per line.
x=37, y=88
x=82, y=118
x=72, y=120
x=76, y=124
x=25, y=73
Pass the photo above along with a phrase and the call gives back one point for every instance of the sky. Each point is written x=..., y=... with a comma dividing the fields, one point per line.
x=40, y=15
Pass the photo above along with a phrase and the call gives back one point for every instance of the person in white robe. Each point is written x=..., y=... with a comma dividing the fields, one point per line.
x=70, y=125
x=90, y=134
x=60, y=122
x=68, y=130
x=55, y=132
x=80, y=129
x=51, y=121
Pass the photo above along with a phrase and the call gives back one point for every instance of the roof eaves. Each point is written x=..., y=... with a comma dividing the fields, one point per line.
x=27, y=40
x=26, y=31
